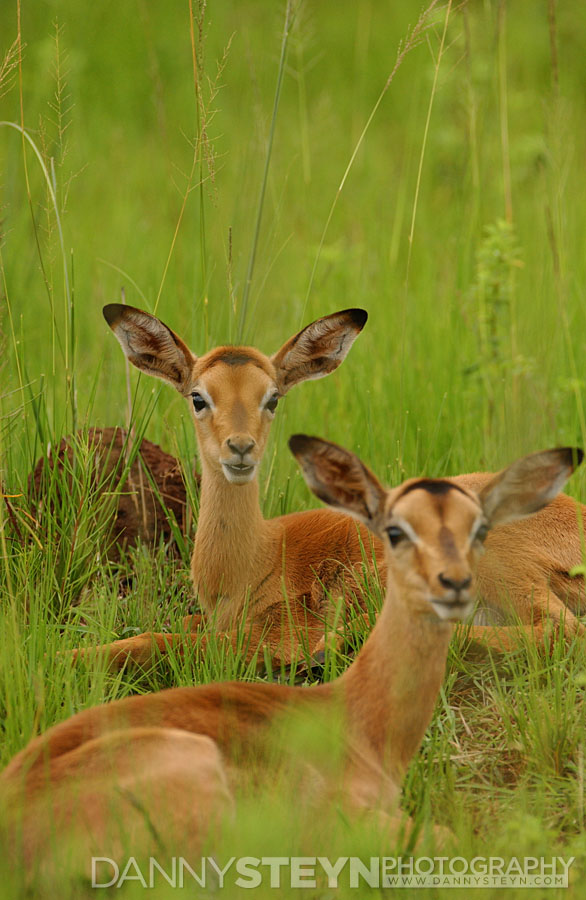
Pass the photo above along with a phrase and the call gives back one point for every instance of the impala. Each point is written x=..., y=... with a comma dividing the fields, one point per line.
x=278, y=572
x=171, y=762
x=285, y=576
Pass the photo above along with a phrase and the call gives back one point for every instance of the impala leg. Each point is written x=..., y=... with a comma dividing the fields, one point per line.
x=192, y=623
x=146, y=649
x=550, y=615
x=281, y=644
x=336, y=594
x=142, y=649
x=499, y=638
x=336, y=639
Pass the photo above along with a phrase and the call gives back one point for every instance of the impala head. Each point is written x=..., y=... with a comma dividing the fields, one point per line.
x=433, y=529
x=233, y=391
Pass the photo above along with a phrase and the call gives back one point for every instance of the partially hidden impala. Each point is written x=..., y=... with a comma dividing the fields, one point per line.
x=171, y=763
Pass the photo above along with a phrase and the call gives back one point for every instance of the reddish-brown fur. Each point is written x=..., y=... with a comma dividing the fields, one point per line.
x=385, y=698
x=277, y=572
x=281, y=575
x=524, y=574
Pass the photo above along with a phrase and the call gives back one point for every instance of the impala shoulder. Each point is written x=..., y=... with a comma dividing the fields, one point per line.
x=309, y=523
x=566, y=507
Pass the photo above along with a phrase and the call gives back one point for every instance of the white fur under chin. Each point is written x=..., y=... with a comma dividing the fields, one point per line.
x=236, y=478
x=459, y=613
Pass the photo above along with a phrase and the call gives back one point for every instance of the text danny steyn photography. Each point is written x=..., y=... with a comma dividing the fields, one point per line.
x=345, y=871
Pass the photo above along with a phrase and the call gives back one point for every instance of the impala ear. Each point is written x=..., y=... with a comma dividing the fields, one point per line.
x=318, y=349
x=528, y=484
x=150, y=345
x=339, y=478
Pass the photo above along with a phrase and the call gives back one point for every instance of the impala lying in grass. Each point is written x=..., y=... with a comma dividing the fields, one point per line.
x=281, y=574
x=276, y=572
x=171, y=762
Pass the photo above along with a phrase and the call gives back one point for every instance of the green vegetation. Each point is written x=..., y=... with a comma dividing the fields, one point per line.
x=226, y=174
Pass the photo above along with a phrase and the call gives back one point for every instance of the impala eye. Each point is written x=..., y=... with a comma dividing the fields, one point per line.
x=271, y=404
x=481, y=533
x=396, y=535
x=199, y=404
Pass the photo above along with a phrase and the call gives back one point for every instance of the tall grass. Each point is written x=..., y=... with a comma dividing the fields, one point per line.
x=240, y=170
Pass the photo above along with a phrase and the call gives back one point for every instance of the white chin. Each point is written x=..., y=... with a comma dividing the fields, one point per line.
x=234, y=476
x=457, y=613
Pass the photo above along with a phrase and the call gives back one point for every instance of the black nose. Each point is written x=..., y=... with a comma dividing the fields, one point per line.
x=241, y=446
x=454, y=584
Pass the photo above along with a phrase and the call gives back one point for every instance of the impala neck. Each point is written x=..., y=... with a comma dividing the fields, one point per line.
x=231, y=544
x=391, y=688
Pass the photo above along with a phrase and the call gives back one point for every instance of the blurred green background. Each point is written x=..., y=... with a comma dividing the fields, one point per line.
x=473, y=351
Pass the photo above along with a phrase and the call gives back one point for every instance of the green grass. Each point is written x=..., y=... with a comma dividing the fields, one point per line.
x=464, y=241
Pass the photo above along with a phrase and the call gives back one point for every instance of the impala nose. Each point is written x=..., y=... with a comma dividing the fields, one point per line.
x=241, y=444
x=455, y=584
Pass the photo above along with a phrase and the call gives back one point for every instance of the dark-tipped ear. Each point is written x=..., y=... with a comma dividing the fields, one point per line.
x=318, y=349
x=528, y=485
x=338, y=478
x=150, y=345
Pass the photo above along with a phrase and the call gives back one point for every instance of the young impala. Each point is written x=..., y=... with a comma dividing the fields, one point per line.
x=280, y=574
x=170, y=763
x=276, y=572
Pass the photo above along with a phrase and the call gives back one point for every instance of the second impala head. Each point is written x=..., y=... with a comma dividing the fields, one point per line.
x=433, y=529
x=233, y=391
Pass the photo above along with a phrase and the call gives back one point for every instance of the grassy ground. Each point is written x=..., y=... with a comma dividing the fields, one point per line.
x=455, y=215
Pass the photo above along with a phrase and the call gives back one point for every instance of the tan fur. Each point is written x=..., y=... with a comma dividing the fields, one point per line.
x=278, y=570
x=129, y=788
x=524, y=574
x=385, y=699
x=277, y=574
